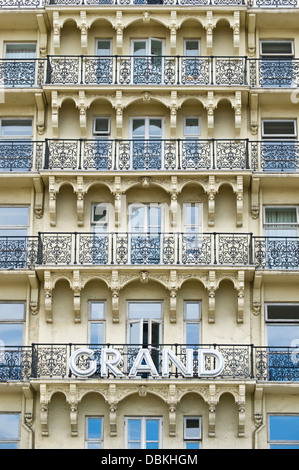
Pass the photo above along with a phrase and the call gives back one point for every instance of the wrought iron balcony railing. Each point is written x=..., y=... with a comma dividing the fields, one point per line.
x=149, y=155
x=155, y=248
x=146, y=70
x=274, y=73
x=241, y=362
x=22, y=73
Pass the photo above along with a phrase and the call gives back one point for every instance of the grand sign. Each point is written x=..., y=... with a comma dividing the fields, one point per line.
x=143, y=363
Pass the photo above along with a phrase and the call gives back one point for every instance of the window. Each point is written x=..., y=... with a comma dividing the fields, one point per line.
x=9, y=430
x=99, y=241
x=147, y=63
x=15, y=144
x=192, y=317
x=281, y=230
x=194, y=67
x=12, y=316
x=192, y=47
x=13, y=221
x=101, y=129
x=19, y=66
x=192, y=432
x=145, y=233
x=279, y=129
x=282, y=321
x=100, y=156
x=94, y=432
x=147, y=145
x=99, y=217
x=96, y=317
x=276, y=68
x=192, y=242
x=145, y=325
x=283, y=431
x=278, y=151
x=191, y=128
x=143, y=433
x=103, y=47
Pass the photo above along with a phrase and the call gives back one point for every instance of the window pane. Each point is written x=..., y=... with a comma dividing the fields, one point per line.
x=102, y=125
x=192, y=310
x=192, y=48
x=134, y=430
x=139, y=48
x=96, y=333
x=281, y=215
x=20, y=50
x=10, y=216
x=277, y=47
x=16, y=127
x=192, y=445
x=9, y=426
x=8, y=445
x=285, y=128
x=192, y=428
x=155, y=128
x=139, y=128
x=97, y=310
x=192, y=127
x=282, y=335
x=11, y=311
x=94, y=445
x=145, y=310
x=103, y=47
x=284, y=428
x=94, y=428
x=11, y=334
x=283, y=312
x=192, y=333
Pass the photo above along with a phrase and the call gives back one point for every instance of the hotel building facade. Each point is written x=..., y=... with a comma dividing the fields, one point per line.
x=149, y=251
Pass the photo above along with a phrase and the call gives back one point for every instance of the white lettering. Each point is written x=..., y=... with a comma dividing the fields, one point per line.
x=82, y=372
x=168, y=355
x=110, y=363
x=144, y=364
x=202, y=370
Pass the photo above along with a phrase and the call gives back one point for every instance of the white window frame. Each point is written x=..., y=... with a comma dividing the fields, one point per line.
x=265, y=224
x=281, y=304
x=276, y=54
x=99, y=225
x=197, y=439
x=189, y=136
x=199, y=205
x=20, y=137
x=143, y=420
x=16, y=440
x=90, y=440
x=14, y=321
x=147, y=126
x=20, y=43
x=197, y=322
x=101, y=136
x=141, y=320
x=103, y=39
x=147, y=46
x=192, y=40
x=281, y=443
x=279, y=136
x=146, y=216
x=92, y=321
x=16, y=227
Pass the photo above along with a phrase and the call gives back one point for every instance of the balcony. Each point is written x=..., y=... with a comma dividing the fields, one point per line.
x=241, y=362
x=274, y=73
x=149, y=155
x=22, y=73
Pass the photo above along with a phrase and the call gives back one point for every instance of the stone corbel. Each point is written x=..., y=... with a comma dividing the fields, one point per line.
x=115, y=305
x=251, y=34
x=236, y=30
x=82, y=106
x=117, y=207
x=212, y=402
x=255, y=205
x=34, y=293
x=40, y=118
x=173, y=29
x=118, y=113
x=212, y=296
x=52, y=200
x=173, y=305
x=84, y=36
x=80, y=192
x=29, y=402
x=209, y=26
x=48, y=296
x=44, y=410
x=43, y=34
x=55, y=113
x=73, y=402
x=239, y=201
x=210, y=107
x=256, y=293
x=174, y=209
x=112, y=402
x=253, y=102
x=38, y=197
x=240, y=290
x=76, y=287
x=56, y=32
x=211, y=191
x=241, y=404
x=238, y=113
x=258, y=406
x=172, y=402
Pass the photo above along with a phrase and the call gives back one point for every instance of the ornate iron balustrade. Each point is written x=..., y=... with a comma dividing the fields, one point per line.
x=241, y=362
x=22, y=73
x=274, y=73
x=146, y=70
x=144, y=249
x=149, y=155
x=276, y=252
x=18, y=252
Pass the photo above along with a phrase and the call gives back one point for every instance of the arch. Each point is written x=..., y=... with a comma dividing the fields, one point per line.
x=151, y=18
x=196, y=19
x=143, y=391
x=97, y=277
x=193, y=277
